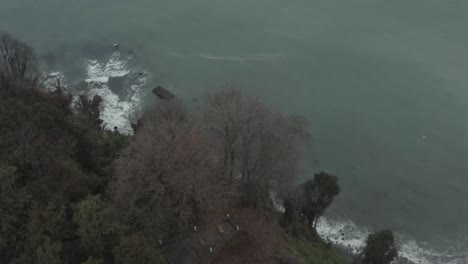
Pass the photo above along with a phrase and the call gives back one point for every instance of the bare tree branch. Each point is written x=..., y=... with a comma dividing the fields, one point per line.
x=17, y=59
x=258, y=144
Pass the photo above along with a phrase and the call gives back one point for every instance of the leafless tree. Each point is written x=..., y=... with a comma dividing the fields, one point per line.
x=52, y=81
x=166, y=177
x=17, y=59
x=223, y=119
x=259, y=146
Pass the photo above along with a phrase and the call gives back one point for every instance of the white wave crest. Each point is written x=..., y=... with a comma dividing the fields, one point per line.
x=244, y=58
x=100, y=72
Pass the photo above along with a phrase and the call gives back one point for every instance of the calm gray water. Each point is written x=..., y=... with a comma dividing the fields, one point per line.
x=384, y=84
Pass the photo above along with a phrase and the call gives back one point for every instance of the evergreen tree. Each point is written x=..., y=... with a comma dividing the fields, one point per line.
x=98, y=226
x=319, y=194
x=380, y=248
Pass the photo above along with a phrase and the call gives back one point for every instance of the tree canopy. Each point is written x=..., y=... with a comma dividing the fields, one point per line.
x=380, y=248
x=318, y=195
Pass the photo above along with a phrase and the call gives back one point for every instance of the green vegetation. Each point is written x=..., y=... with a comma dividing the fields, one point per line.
x=136, y=249
x=304, y=242
x=99, y=228
x=315, y=252
x=319, y=193
x=51, y=159
x=309, y=202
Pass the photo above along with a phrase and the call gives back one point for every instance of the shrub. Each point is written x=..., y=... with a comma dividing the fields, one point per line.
x=136, y=249
x=98, y=226
x=380, y=248
x=14, y=207
x=92, y=260
x=49, y=252
x=319, y=194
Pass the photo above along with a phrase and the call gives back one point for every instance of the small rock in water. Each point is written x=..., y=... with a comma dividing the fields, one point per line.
x=116, y=45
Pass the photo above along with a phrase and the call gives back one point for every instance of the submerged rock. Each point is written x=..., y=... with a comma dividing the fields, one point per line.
x=116, y=85
x=163, y=93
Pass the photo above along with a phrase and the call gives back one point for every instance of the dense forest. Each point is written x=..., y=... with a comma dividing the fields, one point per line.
x=75, y=192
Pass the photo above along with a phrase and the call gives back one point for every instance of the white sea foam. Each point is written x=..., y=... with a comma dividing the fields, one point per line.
x=347, y=234
x=100, y=72
x=115, y=111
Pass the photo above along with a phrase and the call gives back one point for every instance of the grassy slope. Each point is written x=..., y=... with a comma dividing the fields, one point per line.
x=306, y=245
x=315, y=252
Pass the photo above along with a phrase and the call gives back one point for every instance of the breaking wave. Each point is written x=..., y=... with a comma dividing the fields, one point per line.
x=117, y=105
x=119, y=86
x=246, y=58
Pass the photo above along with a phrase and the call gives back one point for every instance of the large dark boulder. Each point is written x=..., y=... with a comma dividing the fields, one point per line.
x=163, y=93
